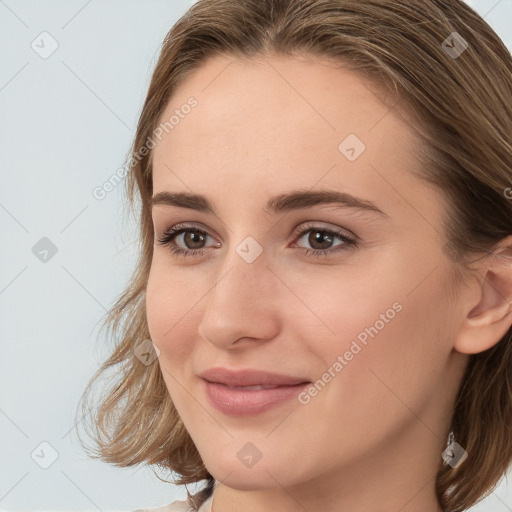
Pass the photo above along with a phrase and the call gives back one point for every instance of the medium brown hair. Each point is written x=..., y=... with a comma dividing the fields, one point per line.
x=462, y=107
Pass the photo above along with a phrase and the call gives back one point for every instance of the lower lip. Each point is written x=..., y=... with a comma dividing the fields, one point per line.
x=239, y=402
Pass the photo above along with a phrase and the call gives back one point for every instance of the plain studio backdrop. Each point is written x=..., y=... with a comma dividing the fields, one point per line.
x=73, y=76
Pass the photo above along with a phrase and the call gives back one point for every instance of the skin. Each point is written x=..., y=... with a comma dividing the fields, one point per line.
x=372, y=438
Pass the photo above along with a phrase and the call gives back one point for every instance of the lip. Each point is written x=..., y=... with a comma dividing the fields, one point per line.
x=249, y=377
x=237, y=402
x=219, y=386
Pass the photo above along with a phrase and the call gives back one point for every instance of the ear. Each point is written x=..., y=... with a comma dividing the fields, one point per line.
x=489, y=320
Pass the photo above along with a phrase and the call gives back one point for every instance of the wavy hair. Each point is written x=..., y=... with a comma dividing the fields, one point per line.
x=462, y=110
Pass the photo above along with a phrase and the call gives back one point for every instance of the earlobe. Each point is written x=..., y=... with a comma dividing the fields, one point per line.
x=488, y=321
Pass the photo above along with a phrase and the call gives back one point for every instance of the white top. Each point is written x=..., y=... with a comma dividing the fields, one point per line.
x=181, y=506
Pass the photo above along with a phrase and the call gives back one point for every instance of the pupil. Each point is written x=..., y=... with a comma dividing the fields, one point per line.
x=317, y=236
x=192, y=237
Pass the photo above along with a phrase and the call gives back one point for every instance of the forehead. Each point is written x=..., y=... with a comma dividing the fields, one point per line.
x=263, y=126
x=308, y=98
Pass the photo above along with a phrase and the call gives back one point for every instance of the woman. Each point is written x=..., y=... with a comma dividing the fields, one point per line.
x=321, y=315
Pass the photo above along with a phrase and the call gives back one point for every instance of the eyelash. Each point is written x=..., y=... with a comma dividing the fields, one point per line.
x=168, y=237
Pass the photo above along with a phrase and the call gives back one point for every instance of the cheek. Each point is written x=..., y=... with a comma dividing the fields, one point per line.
x=171, y=318
x=391, y=341
x=393, y=355
x=353, y=305
x=170, y=313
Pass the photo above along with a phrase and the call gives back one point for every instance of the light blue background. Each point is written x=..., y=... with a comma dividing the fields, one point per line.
x=67, y=123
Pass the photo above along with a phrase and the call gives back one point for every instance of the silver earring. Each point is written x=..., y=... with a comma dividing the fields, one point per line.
x=454, y=454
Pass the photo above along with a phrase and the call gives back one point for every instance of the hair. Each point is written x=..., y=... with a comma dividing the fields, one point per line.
x=461, y=108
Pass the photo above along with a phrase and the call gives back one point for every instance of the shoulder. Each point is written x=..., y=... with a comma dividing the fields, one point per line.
x=175, y=506
x=180, y=506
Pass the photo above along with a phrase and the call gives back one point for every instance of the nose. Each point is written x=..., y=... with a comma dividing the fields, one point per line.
x=242, y=305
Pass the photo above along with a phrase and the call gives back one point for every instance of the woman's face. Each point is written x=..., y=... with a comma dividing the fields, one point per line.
x=371, y=319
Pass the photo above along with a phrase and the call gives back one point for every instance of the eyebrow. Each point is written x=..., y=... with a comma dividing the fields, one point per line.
x=295, y=200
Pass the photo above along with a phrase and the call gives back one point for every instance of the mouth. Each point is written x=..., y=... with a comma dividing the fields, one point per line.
x=259, y=386
x=241, y=401
x=249, y=391
x=247, y=378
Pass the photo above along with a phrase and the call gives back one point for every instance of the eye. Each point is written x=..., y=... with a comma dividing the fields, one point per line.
x=319, y=237
x=193, y=238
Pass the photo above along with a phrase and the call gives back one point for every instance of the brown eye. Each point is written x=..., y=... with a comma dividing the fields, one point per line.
x=191, y=237
x=321, y=240
x=192, y=240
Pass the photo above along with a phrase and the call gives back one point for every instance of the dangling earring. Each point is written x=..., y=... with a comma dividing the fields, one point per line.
x=454, y=454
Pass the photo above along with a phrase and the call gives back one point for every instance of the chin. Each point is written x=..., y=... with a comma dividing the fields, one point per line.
x=271, y=474
x=247, y=480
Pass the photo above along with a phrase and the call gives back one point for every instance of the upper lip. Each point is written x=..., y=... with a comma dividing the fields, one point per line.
x=249, y=377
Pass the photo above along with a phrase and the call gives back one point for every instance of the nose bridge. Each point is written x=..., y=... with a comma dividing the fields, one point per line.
x=244, y=280
x=244, y=269
x=240, y=302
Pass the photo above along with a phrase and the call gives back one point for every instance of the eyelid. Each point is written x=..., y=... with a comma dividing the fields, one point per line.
x=319, y=225
x=300, y=230
x=303, y=226
x=349, y=241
